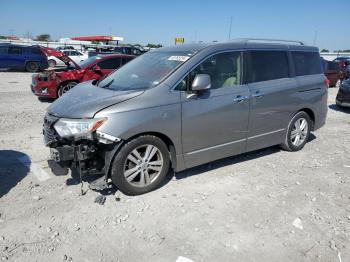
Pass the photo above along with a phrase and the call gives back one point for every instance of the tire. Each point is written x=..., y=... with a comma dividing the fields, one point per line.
x=32, y=67
x=291, y=142
x=52, y=63
x=127, y=172
x=65, y=87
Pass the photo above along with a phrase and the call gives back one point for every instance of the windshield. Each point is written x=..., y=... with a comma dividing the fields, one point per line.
x=88, y=61
x=146, y=71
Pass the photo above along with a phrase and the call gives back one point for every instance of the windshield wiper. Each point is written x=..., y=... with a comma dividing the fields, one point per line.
x=108, y=84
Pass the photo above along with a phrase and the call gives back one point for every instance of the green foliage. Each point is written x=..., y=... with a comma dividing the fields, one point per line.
x=324, y=51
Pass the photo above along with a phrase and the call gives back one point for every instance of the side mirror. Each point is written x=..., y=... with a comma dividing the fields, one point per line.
x=201, y=82
x=96, y=68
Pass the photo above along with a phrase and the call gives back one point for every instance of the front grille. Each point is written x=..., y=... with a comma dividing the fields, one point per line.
x=49, y=132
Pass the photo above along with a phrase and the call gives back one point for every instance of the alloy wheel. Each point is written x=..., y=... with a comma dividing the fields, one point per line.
x=299, y=132
x=143, y=165
x=67, y=87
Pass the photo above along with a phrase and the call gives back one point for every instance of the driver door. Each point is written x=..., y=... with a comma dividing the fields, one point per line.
x=215, y=122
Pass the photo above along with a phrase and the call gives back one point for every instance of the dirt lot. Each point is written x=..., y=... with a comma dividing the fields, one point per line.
x=268, y=205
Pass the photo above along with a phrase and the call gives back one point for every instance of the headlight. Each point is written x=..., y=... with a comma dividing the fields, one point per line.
x=78, y=127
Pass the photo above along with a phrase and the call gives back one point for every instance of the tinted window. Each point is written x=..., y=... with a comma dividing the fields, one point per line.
x=3, y=49
x=306, y=63
x=111, y=63
x=267, y=65
x=14, y=50
x=68, y=53
x=224, y=70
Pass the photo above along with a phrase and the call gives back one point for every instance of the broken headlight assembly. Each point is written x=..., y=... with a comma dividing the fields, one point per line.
x=78, y=128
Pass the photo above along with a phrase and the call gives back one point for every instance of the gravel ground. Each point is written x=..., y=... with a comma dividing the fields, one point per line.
x=268, y=205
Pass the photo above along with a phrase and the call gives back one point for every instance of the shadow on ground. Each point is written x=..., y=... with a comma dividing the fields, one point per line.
x=232, y=160
x=14, y=166
x=75, y=177
x=339, y=109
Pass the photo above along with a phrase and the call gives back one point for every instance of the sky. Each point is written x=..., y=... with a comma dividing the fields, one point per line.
x=155, y=21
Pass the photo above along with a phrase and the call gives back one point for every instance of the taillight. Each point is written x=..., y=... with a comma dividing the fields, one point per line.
x=326, y=82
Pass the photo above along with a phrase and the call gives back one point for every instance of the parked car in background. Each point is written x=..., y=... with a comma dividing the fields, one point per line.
x=54, y=83
x=68, y=47
x=343, y=96
x=342, y=59
x=23, y=58
x=76, y=56
x=333, y=73
x=187, y=105
x=128, y=50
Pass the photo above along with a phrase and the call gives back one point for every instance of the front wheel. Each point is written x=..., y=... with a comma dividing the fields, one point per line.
x=298, y=132
x=141, y=165
x=65, y=87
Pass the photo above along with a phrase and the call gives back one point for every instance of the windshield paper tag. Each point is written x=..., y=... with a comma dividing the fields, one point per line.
x=180, y=58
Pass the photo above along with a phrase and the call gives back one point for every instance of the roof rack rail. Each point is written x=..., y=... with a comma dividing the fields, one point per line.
x=271, y=40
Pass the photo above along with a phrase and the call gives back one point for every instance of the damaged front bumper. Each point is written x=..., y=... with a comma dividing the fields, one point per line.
x=90, y=155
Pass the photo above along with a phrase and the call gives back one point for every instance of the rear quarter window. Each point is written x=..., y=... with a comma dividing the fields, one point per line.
x=306, y=63
x=267, y=65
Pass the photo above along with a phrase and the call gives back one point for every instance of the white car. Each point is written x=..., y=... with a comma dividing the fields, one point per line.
x=75, y=55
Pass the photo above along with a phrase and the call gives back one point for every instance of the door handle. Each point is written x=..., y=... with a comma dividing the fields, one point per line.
x=258, y=94
x=239, y=99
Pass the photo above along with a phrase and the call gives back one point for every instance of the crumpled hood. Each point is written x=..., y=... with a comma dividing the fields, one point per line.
x=86, y=99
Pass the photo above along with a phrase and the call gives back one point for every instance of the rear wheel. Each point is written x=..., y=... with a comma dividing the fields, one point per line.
x=298, y=132
x=141, y=165
x=52, y=63
x=32, y=67
x=65, y=87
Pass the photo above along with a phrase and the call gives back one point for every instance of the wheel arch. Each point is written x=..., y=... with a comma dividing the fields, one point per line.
x=311, y=114
x=166, y=139
x=168, y=142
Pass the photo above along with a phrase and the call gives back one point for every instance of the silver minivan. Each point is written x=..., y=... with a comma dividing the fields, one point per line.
x=183, y=106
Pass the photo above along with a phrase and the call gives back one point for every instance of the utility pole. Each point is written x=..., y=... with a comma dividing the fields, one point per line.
x=229, y=32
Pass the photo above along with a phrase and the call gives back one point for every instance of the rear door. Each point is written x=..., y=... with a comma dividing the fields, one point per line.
x=16, y=57
x=214, y=122
x=272, y=92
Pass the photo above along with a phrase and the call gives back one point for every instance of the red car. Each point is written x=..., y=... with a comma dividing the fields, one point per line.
x=54, y=83
x=333, y=72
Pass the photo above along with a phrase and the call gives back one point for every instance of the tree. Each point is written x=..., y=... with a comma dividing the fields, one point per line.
x=324, y=51
x=43, y=37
